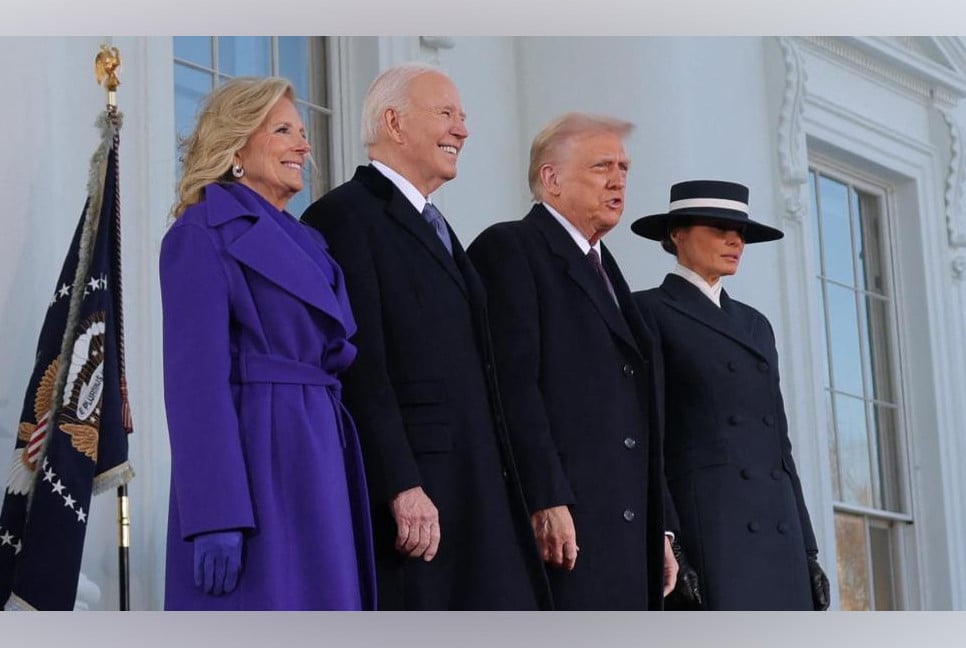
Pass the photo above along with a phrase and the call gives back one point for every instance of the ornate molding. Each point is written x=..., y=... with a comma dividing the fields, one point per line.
x=792, y=156
x=430, y=46
x=955, y=190
x=927, y=90
x=959, y=267
x=955, y=177
x=437, y=42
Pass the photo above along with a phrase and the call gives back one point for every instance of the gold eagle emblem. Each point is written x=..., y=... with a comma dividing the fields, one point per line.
x=107, y=64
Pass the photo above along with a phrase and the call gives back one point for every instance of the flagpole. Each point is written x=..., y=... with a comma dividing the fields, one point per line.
x=107, y=64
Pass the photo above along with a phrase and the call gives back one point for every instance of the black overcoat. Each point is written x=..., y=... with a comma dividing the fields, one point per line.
x=423, y=394
x=728, y=458
x=581, y=396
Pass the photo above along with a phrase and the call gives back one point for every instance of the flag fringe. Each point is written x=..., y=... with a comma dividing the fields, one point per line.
x=17, y=604
x=116, y=476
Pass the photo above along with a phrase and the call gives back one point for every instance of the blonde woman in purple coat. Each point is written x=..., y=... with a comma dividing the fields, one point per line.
x=268, y=506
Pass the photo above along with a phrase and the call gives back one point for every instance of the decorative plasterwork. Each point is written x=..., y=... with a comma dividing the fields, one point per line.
x=899, y=67
x=955, y=192
x=431, y=45
x=924, y=47
x=930, y=71
x=437, y=42
x=955, y=176
x=792, y=157
x=959, y=267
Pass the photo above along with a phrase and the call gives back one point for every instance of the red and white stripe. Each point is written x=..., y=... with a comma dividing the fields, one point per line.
x=36, y=444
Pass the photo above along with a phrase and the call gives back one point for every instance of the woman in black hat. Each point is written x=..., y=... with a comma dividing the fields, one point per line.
x=728, y=460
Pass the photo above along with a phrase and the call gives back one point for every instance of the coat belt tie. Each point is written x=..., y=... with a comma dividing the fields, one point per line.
x=266, y=368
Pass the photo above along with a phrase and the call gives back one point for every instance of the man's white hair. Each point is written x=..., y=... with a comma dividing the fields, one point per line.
x=389, y=90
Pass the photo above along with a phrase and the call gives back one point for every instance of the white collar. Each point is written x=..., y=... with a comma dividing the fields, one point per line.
x=407, y=188
x=711, y=291
x=575, y=234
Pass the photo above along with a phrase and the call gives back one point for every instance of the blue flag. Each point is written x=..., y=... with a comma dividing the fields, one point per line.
x=72, y=438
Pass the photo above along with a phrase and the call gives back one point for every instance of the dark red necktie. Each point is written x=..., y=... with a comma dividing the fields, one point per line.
x=599, y=267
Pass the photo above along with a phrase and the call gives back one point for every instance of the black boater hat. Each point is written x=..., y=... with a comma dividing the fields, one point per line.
x=710, y=200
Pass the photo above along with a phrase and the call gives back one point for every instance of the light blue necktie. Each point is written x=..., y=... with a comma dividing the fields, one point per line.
x=434, y=218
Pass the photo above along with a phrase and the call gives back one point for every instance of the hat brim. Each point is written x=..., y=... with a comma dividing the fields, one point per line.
x=657, y=226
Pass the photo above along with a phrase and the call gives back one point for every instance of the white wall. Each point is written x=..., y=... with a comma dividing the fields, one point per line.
x=49, y=138
x=491, y=182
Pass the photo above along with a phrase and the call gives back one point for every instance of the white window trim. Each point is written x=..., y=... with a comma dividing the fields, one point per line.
x=913, y=160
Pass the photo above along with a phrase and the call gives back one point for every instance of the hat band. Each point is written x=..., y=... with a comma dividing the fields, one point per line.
x=720, y=203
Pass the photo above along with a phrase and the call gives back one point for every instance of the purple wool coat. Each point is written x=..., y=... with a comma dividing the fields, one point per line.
x=256, y=328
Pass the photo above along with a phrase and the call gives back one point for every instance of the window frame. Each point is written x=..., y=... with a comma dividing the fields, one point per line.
x=319, y=183
x=901, y=522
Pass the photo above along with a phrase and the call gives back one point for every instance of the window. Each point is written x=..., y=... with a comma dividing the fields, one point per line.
x=201, y=62
x=864, y=405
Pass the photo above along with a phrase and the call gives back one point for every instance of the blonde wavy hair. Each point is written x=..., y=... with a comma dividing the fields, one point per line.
x=226, y=119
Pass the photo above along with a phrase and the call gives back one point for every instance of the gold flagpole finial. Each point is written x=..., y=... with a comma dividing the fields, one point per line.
x=107, y=65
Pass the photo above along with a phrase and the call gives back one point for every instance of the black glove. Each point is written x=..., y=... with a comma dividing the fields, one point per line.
x=819, y=581
x=686, y=588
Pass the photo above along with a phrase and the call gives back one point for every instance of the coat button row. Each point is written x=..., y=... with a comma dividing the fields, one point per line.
x=628, y=515
x=630, y=443
x=768, y=419
x=628, y=370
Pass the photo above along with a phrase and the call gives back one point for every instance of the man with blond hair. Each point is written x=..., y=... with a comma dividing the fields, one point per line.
x=450, y=523
x=576, y=364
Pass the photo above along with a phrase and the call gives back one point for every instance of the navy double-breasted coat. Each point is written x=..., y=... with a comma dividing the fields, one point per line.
x=728, y=458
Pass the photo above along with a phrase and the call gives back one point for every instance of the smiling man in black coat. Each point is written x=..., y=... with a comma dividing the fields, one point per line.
x=450, y=524
x=577, y=365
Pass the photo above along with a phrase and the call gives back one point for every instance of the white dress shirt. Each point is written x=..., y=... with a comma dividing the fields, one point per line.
x=575, y=234
x=405, y=186
x=711, y=291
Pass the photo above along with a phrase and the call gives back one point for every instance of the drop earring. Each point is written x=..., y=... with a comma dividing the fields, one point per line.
x=237, y=170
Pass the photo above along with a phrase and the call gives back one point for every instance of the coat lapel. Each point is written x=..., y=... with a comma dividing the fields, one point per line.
x=580, y=271
x=264, y=247
x=727, y=320
x=402, y=212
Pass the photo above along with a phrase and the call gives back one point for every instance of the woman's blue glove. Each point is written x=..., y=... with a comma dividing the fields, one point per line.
x=218, y=561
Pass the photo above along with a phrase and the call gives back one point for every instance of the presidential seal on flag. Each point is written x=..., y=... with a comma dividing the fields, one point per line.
x=81, y=416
